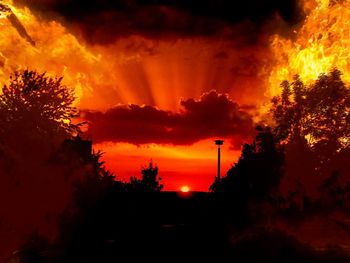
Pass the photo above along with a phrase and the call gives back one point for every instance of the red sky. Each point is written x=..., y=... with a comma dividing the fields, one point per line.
x=194, y=165
x=179, y=142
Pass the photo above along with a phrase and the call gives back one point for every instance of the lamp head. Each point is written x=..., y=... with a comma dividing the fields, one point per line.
x=219, y=142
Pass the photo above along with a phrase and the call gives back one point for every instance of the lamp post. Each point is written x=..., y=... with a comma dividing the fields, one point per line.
x=219, y=143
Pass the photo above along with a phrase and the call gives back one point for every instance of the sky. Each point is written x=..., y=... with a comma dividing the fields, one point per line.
x=161, y=79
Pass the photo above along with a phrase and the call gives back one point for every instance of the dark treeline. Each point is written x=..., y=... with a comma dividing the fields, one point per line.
x=63, y=205
x=46, y=168
x=300, y=160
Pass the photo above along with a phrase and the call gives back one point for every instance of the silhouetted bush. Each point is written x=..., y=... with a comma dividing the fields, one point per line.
x=149, y=182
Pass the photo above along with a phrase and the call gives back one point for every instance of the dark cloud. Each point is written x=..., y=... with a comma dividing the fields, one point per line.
x=213, y=115
x=103, y=21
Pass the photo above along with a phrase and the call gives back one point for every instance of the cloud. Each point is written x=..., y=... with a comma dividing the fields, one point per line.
x=213, y=115
x=105, y=21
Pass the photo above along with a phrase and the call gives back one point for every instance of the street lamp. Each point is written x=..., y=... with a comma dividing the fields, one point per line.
x=219, y=143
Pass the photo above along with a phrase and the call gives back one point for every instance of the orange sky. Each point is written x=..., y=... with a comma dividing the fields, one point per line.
x=153, y=71
x=133, y=58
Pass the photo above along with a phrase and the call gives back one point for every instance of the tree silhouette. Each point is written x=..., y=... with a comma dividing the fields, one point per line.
x=97, y=182
x=36, y=108
x=150, y=182
x=36, y=113
x=312, y=122
x=257, y=173
x=319, y=113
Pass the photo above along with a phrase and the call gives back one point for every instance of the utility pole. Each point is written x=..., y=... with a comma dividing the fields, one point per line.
x=219, y=143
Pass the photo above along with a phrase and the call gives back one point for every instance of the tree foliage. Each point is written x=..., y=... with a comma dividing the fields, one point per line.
x=258, y=170
x=319, y=113
x=149, y=182
x=36, y=116
x=36, y=108
x=312, y=122
x=307, y=145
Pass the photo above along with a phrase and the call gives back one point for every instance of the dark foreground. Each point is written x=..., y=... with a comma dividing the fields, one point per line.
x=168, y=227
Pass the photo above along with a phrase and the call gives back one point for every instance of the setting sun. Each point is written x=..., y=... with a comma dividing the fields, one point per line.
x=185, y=189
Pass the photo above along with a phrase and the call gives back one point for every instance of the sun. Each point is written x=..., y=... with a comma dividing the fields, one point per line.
x=185, y=189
